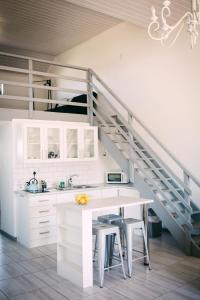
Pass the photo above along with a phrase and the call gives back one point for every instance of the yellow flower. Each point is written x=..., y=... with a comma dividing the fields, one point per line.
x=82, y=199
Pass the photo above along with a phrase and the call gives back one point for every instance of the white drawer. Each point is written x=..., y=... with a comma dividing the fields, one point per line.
x=42, y=221
x=43, y=233
x=42, y=200
x=41, y=211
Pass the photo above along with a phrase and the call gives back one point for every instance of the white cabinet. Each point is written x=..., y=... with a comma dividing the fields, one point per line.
x=36, y=220
x=46, y=141
x=71, y=143
x=33, y=143
x=53, y=143
x=80, y=143
x=42, y=143
x=89, y=145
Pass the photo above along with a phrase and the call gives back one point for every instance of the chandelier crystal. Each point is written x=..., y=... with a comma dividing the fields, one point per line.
x=168, y=34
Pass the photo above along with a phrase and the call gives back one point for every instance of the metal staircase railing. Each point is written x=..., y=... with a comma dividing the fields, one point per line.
x=169, y=188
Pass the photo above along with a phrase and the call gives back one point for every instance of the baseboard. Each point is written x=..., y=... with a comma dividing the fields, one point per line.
x=8, y=235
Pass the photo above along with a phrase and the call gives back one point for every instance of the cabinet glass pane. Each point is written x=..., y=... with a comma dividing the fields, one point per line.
x=53, y=140
x=72, y=143
x=33, y=143
x=88, y=143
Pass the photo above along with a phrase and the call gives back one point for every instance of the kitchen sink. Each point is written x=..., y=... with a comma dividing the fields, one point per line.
x=83, y=186
x=79, y=186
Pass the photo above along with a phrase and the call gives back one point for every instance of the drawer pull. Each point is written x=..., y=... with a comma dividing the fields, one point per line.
x=43, y=211
x=44, y=232
x=43, y=200
x=43, y=222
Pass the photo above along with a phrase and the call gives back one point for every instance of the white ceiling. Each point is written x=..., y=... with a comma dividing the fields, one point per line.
x=135, y=11
x=48, y=26
x=53, y=26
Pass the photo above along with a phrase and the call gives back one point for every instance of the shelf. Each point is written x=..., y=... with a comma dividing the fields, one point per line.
x=70, y=246
x=65, y=227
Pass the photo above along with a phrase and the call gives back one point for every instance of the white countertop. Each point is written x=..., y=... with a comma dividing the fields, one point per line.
x=105, y=203
x=95, y=187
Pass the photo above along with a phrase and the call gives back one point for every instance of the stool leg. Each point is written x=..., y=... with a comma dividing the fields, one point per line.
x=129, y=242
x=101, y=257
x=120, y=254
x=146, y=245
x=95, y=247
x=112, y=244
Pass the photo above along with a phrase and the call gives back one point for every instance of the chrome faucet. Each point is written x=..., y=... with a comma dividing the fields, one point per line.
x=69, y=180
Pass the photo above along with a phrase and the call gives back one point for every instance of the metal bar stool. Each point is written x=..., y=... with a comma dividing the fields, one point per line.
x=128, y=225
x=109, y=219
x=102, y=231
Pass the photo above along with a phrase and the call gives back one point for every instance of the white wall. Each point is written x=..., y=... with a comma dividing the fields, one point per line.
x=159, y=85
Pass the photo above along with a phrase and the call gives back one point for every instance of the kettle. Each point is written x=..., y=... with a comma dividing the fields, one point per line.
x=32, y=184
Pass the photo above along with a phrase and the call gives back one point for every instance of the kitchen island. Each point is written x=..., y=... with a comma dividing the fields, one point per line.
x=74, y=235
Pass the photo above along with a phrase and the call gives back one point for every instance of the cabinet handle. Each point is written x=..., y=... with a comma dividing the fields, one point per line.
x=44, y=232
x=43, y=211
x=43, y=200
x=43, y=222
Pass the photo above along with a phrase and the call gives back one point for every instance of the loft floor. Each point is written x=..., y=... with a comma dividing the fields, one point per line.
x=31, y=275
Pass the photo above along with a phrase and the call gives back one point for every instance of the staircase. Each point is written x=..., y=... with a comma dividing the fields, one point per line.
x=173, y=195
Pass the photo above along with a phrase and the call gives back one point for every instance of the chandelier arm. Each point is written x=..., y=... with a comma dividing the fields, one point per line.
x=185, y=16
x=162, y=30
x=174, y=40
x=165, y=13
x=156, y=26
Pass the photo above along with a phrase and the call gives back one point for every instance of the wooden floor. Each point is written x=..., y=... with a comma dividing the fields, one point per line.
x=31, y=275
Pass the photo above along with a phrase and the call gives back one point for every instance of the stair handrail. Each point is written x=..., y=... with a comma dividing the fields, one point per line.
x=133, y=115
x=50, y=62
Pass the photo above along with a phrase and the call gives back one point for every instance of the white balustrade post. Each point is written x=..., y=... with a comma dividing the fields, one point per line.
x=131, y=164
x=89, y=97
x=30, y=81
x=186, y=179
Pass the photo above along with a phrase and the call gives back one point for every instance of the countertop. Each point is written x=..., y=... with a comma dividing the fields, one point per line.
x=94, y=187
x=105, y=203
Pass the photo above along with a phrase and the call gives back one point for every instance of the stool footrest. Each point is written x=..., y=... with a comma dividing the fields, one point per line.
x=111, y=267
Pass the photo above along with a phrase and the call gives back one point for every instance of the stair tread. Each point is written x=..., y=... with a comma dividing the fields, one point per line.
x=196, y=224
x=120, y=142
x=196, y=238
x=195, y=212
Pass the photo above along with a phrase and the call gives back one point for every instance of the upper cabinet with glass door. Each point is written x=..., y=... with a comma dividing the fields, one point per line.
x=33, y=143
x=89, y=143
x=53, y=143
x=45, y=142
x=71, y=143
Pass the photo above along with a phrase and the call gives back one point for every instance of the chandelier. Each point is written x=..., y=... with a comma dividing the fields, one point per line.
x=168, y=34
